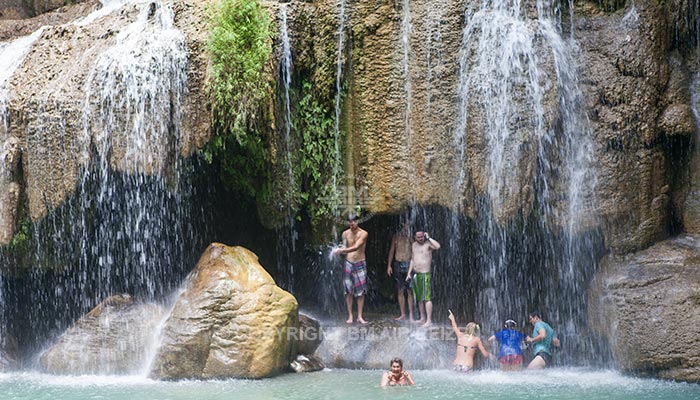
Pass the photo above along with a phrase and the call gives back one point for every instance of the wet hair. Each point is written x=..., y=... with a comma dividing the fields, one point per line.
x=396, y=360
x=510, y=324
x=535, y=314
x=473, y=329
x=353, y=217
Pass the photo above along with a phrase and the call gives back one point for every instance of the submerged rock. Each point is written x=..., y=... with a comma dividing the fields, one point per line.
x=230, y=321
x=306, y=363
x=113, y=338
x=646, y=305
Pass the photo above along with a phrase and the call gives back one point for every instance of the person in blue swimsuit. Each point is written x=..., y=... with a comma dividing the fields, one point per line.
x=510, y=354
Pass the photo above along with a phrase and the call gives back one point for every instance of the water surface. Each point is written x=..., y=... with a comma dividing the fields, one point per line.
x=353, y=384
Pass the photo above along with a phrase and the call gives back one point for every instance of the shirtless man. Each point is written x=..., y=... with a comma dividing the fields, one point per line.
x=354, y=266
x=397, y=265
x=421, y=259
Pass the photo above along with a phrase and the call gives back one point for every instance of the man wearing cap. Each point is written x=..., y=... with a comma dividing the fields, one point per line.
x=354, y=266
x=421, y=259
x=510, y=354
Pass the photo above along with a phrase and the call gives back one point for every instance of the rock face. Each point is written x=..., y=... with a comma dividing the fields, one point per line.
x=17, y=9
x=63, y=82
x=403, y=109
x=231, y=321
x=646, y=305
x=402, y=112
x=8, y=353
x=310, y=335
x=373, y=345
x=116, y=337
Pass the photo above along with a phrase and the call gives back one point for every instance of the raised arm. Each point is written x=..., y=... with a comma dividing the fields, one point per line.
x=454, y=325
x=432, y=242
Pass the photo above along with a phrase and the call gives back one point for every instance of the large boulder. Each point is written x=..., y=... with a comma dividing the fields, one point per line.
x=646, y=305
x=230, y=321
x=113, y=338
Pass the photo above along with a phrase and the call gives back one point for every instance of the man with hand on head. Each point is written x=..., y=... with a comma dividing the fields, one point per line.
x=421, y=260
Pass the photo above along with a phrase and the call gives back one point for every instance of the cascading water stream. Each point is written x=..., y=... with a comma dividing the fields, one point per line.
x=128, y=226
x=577, y=148
x=286, y=244
x=502, y=69
x=498, y=71
x=338, y=98
x=11, y=56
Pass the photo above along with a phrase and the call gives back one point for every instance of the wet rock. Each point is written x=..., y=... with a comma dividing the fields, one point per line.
x=113, y=338
x=306, y=363
x=50, y=92
x=646, y=305
x=310, y=335
x=20, y=9
x=373, y=345
x=230, y=321
x=8, y=353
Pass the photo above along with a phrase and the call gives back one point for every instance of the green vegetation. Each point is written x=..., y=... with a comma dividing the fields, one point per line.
x=317, y=154
x=247, y=146
x=20, y=239
x=240, y=89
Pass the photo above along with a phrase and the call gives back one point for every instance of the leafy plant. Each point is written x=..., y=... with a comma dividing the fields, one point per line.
x=317, y=150
x=240, y=87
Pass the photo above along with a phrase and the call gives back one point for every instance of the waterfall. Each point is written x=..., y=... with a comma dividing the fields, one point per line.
x=338, y=98
x=127, y=228
x=133, y=105
x=11, y=56
x=503, y=60
x=286, y=243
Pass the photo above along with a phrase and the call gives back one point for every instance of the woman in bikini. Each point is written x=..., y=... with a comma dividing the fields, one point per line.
x=467, y=345
x=397, y=376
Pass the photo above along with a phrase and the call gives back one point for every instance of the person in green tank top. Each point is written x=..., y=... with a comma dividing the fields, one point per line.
x=543, y=337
